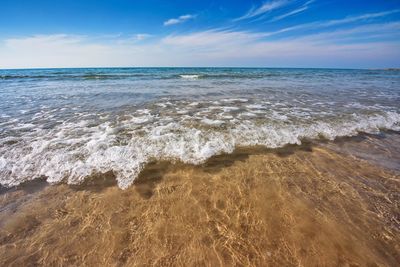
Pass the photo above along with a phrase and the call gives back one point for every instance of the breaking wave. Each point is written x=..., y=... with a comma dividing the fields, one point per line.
x=190, y=76
x=73, y=151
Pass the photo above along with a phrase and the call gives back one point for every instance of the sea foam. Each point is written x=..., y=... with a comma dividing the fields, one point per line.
x=73, y=151
x=190, y=76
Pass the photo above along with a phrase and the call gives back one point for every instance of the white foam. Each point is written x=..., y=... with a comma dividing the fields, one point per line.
x=21, y=126
x=228, y=109
x=279, y=116
x=212, y=122
x=73, y=150
x=190, y=76
x=248, y=114
x=235, y=100
x=255, y=106
x=142, y=119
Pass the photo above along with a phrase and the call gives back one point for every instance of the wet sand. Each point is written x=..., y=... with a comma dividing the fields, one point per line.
x=332, y=204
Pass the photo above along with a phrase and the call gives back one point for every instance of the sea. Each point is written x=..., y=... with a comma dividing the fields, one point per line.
x=65, y=125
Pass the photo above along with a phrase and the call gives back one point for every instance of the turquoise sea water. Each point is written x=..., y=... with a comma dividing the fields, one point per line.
x=66, y=124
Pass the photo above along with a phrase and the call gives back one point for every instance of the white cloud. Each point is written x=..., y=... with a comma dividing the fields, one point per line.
x=178, y=20
x=141, y=36
x=291, y=13
x=51, y=51
x=264, y=8
x=218, y=47
x=329, y=23
x=212, y=38
x=360, y=18
x=302, y=8
x=232, y=48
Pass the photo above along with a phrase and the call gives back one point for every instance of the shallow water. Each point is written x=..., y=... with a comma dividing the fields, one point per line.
x=308, y=205
x=69, y=124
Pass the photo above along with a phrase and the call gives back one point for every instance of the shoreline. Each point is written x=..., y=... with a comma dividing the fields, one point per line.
x=307, y=205
x=108, y=178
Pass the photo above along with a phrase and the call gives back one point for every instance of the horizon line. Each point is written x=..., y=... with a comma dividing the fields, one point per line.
x=201, y=67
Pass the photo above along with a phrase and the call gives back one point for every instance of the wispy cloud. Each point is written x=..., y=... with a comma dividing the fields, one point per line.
x=389, y=30
x=264, y=8
x=179, y=20
x=291, y=13
x=217, y=47
x=141, y=36
x=336, y=22
x=212, y=38
x=342, y=48
x=302, y=8
x=360, y=17
x=228, y=38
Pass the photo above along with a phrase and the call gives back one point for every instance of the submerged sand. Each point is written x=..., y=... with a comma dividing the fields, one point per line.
x=314, y=205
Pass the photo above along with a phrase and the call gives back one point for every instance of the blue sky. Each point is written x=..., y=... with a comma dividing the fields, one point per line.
x=272, y=33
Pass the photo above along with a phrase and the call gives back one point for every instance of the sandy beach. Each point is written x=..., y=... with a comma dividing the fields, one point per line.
x=319, y=204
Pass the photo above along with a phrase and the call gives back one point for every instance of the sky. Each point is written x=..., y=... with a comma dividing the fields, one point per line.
x=153, y=33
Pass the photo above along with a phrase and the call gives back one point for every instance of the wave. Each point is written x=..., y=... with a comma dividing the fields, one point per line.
x=63, y=76
x=75, y=150
x=115, y=76
x=11, y=77
x=190, y=76
x=224, y=76
x=100, y=76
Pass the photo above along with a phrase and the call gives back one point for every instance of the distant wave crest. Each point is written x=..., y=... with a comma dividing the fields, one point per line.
x=190, y=76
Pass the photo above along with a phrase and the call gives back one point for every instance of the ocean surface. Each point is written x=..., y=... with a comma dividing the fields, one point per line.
x=65, y=125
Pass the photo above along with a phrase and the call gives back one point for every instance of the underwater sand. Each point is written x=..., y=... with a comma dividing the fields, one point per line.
x=332, y=204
